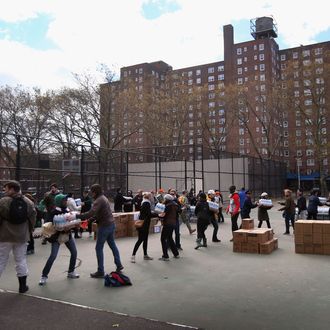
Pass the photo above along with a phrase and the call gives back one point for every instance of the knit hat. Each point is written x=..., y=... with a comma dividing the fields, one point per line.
x=168, y=197
x=59, y=199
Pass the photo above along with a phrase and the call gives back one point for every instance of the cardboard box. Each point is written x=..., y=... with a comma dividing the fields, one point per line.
x=317, y=238
x=326, y=227
x=308, y=248
x=299, y=248
x=298, y=239
x=266, y=248
x=308, y=239
x=240, y=235
x=318, y=227
x=308, y=227
x=247, y=224
x=318, y=248
x=258, y=236
x=253, y=248
x=245, y=247
x=325, y=238
x=299, y=227
x=326, y=249
x=237, y=247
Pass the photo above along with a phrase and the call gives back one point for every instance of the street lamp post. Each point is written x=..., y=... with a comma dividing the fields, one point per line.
x=298, y=171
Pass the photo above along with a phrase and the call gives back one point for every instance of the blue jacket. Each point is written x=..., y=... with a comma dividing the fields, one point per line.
x=313, y=203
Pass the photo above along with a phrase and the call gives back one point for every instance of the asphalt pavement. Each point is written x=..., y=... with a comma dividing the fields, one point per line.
x=210, y=288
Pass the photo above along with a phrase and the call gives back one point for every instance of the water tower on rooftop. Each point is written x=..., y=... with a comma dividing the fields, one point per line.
x=263, y=27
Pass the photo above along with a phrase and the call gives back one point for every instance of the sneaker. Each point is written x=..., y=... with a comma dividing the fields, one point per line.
x=286, y=233
x=133, y=259
x=73, y=275
x=28, y=252
x=164, y=259
x=176, y=257
x=97, y=274
x=192, y=231
x=216, y=240
x=43, y=280
x=119, y=268
x=180, y=248
x=148, y=258
x=231, y=240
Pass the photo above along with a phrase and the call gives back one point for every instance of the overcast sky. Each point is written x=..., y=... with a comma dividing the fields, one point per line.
x=43, y=41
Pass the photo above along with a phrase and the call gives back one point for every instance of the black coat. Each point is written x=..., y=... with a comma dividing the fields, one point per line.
x=146, y=215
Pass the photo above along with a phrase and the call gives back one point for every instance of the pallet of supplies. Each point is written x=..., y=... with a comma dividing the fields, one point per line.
x=312, y=236
x=259, y=241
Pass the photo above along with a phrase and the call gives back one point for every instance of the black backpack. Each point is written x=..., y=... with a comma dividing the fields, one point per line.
x=18, y=211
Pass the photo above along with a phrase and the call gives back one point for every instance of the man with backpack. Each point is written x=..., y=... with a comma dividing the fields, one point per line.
x=17, y=220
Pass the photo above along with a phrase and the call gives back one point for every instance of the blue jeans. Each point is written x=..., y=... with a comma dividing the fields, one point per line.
x=70, y=244
x=106, y=234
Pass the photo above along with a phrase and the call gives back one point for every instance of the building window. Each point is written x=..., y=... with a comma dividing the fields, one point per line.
x=190, y=82
x=262, y=77
x=211, y=87
x=310, y=162
x=239, y=61
x=239, y=71
x=198, y=72
x=261, y=57
x=318, y=51
x=221, y=77
x=140, y=70
x=262, y=67
x=306, y=53
x=261, y=46
x=210, y=70
x=210, y=78
x=239, y=51
x=283, y=57
x=190, y=73
x=240, y=81
x=295, y=55
x=221, y=68
x=198, y=80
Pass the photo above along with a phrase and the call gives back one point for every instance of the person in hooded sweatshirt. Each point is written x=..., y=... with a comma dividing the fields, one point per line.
x=57, y=206
x=145, y=214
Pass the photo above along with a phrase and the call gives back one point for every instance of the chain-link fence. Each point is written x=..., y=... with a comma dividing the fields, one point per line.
x=37, y=163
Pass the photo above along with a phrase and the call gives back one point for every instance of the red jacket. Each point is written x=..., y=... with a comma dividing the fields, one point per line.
x=233, y=207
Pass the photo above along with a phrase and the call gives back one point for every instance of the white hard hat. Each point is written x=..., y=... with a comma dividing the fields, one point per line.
x=211, y=192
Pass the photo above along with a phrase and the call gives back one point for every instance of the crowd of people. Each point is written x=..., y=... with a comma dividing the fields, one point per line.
x=19, y=214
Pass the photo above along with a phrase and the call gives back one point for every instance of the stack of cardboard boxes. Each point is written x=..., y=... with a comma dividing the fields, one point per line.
x=250, y=240
x=125, y=225
x=312, y=236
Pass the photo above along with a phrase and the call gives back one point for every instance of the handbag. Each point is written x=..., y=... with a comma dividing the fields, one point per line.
x=138, y=223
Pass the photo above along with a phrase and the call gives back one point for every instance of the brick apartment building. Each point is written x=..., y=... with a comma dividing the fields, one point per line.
x=260, y=101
